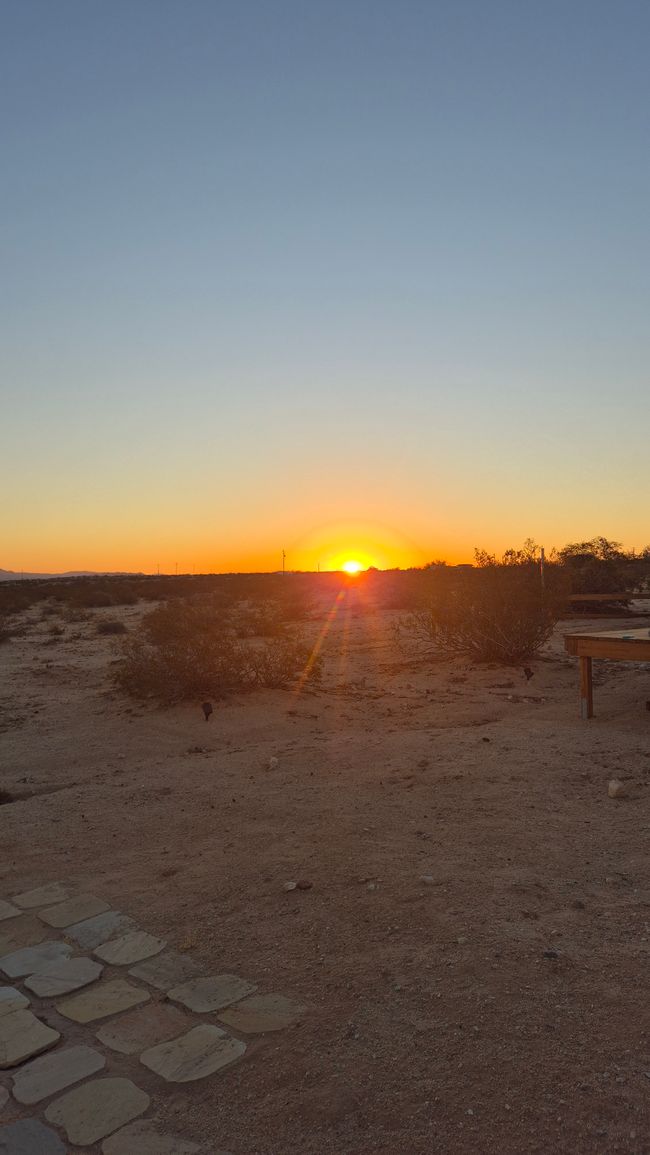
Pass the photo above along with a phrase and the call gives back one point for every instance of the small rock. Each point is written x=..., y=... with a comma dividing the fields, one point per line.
x=427, y=879
x=616, y=788
x=274, y=763
x=304, y=884
x=552, y=954
x=289, y=885
x=462, y=939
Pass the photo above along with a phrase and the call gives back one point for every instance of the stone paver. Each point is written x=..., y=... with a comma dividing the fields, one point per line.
x=144, y=1138
x=96, y=1109
x=202, y=1051
x=30, y=1137
x=167, y=970
x=60, y=978
x=130, y=948
x=8, y=911
x=212, y=993
x=11, y=1000
x=52, y=1073
x=22, y=1035
x=144, y=1027
x=19, y=932
x=42, y=896
x=262, y=1013
x=105, y=998
x=33, y=958
x=80, y=907
x=92, y=931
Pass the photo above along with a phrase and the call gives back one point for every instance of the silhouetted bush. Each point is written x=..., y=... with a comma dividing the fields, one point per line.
x=111, y=626
x=495, y=612
x=191, y=650
x=598, y=566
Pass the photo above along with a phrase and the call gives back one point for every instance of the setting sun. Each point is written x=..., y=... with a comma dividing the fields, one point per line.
x=352, y=567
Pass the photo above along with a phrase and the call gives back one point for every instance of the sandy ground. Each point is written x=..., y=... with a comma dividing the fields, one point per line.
x=435, y=1022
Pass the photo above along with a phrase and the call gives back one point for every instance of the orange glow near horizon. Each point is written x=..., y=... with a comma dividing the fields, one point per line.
x=352, y=567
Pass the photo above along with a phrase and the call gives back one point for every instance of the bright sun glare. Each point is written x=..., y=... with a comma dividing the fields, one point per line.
x=352, y=567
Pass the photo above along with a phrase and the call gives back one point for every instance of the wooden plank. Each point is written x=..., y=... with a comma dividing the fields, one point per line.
x=611, y=648
x=586, y=689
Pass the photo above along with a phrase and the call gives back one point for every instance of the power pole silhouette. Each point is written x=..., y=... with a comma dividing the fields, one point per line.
x=283, y=559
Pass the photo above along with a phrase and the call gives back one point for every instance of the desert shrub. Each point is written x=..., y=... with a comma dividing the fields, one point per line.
x=494, y=612
x=188, y=650
x=258, y=621
x=88, y=597
x=598, y=566
x=111, y=626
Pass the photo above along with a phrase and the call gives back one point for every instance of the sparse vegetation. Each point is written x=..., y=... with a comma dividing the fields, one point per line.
x=190, y=649
x=111, y=626
x=497, y=611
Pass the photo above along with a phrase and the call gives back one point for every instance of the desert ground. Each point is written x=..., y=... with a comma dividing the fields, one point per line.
x=474, y=949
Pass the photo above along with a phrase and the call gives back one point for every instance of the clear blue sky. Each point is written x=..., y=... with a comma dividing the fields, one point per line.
x=274, y=269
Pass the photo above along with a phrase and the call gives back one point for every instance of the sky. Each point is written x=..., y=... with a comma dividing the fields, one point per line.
x=348, y=278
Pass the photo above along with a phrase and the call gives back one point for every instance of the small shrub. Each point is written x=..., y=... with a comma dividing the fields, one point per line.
x=111, y=626
x=190, y=650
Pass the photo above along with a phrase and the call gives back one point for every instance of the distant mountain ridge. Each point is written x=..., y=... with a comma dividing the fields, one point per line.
x=10, y=575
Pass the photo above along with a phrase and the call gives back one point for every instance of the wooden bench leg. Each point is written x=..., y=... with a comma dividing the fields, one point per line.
x=586, y=689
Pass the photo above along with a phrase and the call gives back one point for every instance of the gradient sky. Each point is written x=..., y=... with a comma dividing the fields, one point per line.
x=348, y=277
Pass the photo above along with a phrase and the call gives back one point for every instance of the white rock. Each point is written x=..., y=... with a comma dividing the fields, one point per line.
x=616, y=788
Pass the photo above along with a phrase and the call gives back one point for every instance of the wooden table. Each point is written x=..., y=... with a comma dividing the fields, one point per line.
x=615, y=645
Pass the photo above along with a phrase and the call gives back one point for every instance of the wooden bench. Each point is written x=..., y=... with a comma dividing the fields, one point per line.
x=615, y=645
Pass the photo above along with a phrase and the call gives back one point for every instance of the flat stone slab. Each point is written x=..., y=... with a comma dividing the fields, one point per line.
x=167, y=970
x=105, y=998
x=130, y=948
x=212, y=993
x=11, y=1000
x=28, y=930
x=144, y=1138
x=34, y=958
x=74, y=910
x=52, y=1073
x=92, y=931
x=59, y=978
x=201, y=1052
x=8, y=911
x=42, y=896
x=22, y=1035
x=30, y=1137
x=144, y=1027
x=262, y=1013
x=96, y=1109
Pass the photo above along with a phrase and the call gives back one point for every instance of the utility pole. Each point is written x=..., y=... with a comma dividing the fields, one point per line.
x=542, y=576
x=283, y=560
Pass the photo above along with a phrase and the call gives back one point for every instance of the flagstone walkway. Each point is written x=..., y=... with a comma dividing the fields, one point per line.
x=82, y=1038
